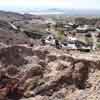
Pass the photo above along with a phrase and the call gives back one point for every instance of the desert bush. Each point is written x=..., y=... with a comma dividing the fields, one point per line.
x=98, y=45
x=60, y=35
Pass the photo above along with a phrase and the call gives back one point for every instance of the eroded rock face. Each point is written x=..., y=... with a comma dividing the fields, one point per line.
x=43, y=73
x=14, y=55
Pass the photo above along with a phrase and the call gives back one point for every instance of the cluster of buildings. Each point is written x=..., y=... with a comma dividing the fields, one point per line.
x=75, y=36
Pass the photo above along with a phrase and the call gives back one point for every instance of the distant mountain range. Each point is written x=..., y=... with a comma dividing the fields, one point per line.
x=52, y=11
x=69, y=12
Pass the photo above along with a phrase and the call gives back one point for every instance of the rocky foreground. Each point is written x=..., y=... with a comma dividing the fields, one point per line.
x=45, y=73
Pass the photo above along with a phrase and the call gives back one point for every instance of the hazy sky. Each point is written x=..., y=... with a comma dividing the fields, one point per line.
x=21, y=5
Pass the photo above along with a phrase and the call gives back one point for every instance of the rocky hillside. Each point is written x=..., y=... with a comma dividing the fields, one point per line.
x=46, y=73
x=30, y=71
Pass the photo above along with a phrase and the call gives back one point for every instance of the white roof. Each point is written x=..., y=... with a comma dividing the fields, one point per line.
x=67, y=26
x=70, y=23
x=85, y=27
x=98, y=30
x=72, y=38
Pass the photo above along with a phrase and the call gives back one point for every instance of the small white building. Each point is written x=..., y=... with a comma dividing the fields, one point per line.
x=50, y=40
x=82, y=28
x=85, y=28
x=70, y=38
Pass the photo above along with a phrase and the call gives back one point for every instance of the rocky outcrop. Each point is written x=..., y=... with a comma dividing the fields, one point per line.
x=45, y=73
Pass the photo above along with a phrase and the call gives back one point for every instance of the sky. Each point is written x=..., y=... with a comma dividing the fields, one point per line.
x=25, y=5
